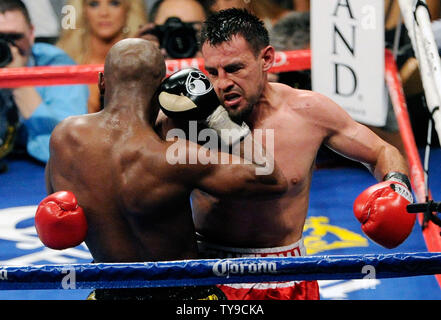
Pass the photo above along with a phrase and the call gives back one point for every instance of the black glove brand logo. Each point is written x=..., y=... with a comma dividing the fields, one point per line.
x=197, y=83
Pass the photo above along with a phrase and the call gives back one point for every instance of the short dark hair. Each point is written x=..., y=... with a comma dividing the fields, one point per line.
x=11, y=5
x=223, y=25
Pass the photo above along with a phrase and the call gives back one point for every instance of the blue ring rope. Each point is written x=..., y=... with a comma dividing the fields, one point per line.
x=218, y=271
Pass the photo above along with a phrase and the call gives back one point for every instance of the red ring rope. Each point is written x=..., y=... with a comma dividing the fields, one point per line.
x=432, y=232
x=88, y=74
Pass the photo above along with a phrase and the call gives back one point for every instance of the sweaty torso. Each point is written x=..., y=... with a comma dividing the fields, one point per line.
x=118, y=172
x=275, y=222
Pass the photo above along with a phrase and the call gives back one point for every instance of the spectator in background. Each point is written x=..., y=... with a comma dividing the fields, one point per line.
x=297, y=5
x=301, y=5
x=99, y=25
x=292, y=32
x=267, y=10
x=409, y=70
x=188, y=11
x=38, y=109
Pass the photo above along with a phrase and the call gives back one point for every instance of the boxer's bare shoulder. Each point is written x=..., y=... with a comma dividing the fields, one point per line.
x=69, y=134
x=299, y=99
x=315, y=108
x=72, y=124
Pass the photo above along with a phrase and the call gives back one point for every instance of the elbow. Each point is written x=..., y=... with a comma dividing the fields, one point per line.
x=279, y=187
x=275, y=184
x=282, y=185
x=252, y=185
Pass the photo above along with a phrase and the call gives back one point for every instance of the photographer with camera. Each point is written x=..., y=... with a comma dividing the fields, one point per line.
x=29, y=114
x=174, y=27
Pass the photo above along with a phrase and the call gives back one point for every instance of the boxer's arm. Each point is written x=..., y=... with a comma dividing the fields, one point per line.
x=241, y=181
x=357, y=142
x=248, y=149
x=47, y=175
x=56, y=145
x=381, y=209
x=228, y=176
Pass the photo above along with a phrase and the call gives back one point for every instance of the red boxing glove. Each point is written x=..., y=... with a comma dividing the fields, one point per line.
x=60, y=222
x=381, y=209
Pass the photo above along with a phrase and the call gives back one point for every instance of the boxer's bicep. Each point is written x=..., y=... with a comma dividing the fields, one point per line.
x=357, y=142
x=240, y=180
x=226, y=175
x=346, y=136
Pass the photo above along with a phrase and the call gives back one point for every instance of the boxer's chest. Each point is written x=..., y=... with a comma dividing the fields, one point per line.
x=294, y=144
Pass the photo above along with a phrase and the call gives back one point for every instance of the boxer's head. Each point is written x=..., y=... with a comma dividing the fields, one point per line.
x=133, y=61
x=133, y=64
x=237, y=54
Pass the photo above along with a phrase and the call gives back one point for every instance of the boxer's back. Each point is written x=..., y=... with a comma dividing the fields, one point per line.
x=116, y=167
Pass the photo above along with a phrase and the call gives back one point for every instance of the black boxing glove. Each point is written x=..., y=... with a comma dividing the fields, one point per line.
x=188, y=94
x=201, y=99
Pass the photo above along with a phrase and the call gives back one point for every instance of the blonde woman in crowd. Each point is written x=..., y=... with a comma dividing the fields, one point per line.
x=99, y=25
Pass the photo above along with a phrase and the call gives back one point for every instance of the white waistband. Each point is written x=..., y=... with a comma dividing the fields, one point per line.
x=295, y=249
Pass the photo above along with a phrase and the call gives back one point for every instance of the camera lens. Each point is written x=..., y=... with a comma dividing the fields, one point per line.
x=181, y=43
x=5, y=53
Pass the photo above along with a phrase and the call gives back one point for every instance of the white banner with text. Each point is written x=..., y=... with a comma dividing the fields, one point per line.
x=347, y=44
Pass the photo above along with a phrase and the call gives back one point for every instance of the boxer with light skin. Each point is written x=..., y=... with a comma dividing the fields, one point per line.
x=110, y=168
x=237, y=55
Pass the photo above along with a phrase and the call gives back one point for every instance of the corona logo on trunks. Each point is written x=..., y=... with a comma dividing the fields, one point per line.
x=224, y=268
x=20, y=244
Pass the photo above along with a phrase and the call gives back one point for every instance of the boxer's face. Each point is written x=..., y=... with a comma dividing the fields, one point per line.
x=106, y=18
x=238, y=76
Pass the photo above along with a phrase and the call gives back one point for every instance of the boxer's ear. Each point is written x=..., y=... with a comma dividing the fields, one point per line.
x=101, y=83
x=267, y=55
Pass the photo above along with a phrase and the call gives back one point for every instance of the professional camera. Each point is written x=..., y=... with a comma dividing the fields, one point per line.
x=9, y=122
x=5, y=51
x=177, y=38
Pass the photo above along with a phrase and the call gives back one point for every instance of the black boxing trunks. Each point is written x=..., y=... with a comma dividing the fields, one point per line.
x=289, y=290
x=151, y=294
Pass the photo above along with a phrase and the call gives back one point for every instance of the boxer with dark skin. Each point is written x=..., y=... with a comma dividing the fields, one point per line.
x=237, y=58
x=137, y=204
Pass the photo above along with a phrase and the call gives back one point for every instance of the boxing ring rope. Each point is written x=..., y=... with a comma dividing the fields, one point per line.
x=415, y=166
x=416, y=18
x=201, y=272
x=215, y=271
x=88, y=74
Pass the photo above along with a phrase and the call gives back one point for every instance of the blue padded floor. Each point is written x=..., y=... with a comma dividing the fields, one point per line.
x=331, y=229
